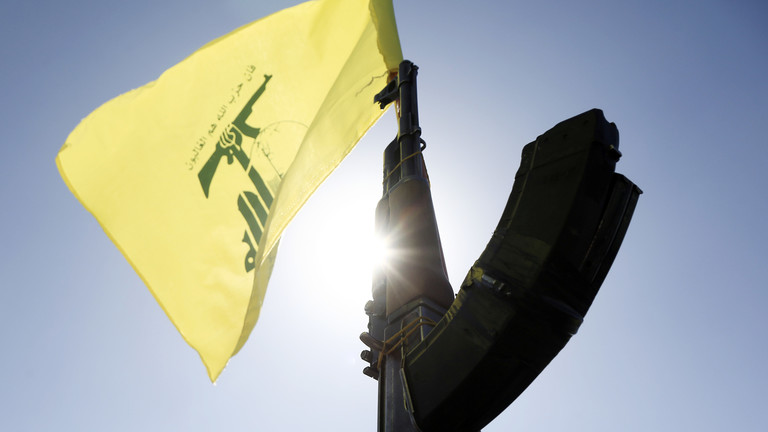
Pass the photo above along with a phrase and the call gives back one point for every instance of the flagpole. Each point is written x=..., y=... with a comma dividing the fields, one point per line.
x=411, y=291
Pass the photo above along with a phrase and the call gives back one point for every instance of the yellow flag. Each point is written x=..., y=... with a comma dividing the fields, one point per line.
x=194, y=176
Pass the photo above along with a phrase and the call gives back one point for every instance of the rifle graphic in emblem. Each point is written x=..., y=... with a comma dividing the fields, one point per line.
x=229, y=145
x=254, y=207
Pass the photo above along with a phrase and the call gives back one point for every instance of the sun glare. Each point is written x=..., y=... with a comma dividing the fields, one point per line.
x=363, y=250
x=379, y=251
x=341, y=251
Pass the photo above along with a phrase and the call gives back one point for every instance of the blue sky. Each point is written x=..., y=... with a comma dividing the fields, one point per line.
x=675, y=340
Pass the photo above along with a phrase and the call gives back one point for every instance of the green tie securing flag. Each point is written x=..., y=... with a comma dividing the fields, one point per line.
x=195, y=176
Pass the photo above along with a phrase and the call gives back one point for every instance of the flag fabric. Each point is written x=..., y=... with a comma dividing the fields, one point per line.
x=195, y=176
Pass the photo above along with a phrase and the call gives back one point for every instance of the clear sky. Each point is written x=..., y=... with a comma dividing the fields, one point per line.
x=676, y=340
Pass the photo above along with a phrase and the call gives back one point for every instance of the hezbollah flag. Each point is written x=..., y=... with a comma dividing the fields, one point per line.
x=194, y=176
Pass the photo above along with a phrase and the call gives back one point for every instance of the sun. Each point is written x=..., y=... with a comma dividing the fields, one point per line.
x=339, y=250
x=356, y=247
